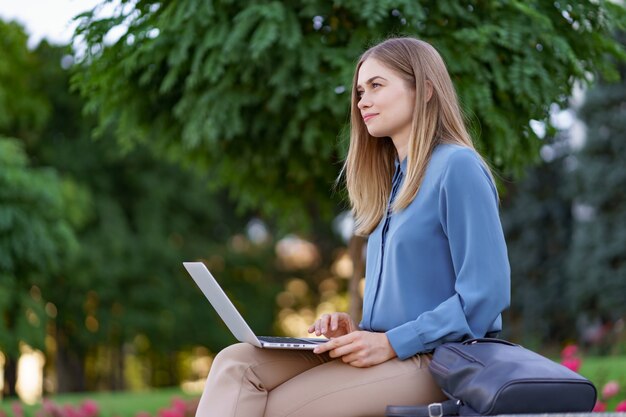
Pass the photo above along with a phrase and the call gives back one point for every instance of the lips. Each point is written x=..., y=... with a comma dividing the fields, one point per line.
x=369, y=116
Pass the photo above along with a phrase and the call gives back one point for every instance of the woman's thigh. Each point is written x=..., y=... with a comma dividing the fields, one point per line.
x=340, y=390
x=241, y=376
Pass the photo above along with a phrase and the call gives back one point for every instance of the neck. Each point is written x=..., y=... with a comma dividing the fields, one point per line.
x=402, y=147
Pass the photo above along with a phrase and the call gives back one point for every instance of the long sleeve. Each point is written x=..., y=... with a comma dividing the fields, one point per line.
x=461, y=280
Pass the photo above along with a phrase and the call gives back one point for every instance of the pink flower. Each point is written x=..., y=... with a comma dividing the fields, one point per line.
x=599, y=407
x=610, y=389
x=47, y=405
x=50, y=408
x=179, y=404
x=89, y=408
x=171, y=412
x=621, y=406
x=569, y=351
x=572, y=363
x=70, y=411
x=18, y=410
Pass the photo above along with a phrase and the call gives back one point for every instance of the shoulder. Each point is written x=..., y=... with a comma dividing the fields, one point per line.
x=450, y=158
x=462, y=166
x=450, y=153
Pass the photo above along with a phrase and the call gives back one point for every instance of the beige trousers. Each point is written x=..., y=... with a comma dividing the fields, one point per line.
x=246, y=381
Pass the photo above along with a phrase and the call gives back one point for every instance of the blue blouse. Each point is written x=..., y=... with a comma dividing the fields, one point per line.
x=438, y=270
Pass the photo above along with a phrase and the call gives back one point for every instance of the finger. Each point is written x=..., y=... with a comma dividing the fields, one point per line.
x=351, y=325
x=357, y=359
x=325, y=319
x=359, y=364
x=344, y=345
x=318, y=330
x=324, y=347
x=350, y=358
x=334, y=322
x=344, y=350
x=331, y=345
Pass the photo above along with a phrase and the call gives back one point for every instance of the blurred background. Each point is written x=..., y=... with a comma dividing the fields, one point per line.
x=138, y=134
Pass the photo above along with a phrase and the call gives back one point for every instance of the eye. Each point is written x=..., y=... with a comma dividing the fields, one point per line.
x=374, y=85
x=359, y=93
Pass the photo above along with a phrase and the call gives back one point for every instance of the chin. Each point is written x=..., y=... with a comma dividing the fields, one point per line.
x=377, y=133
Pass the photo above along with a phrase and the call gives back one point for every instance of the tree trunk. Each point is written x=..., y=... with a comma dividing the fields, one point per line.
x=70, y=370
x=116, y=377
x=10, y=377
x=173, y=365
x=355, y=248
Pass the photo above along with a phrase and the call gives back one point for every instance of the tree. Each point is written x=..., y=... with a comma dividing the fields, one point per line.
x=597, y=262
x=139, y=218
x=36, y=234
x=132, y=218
x=128, y=290
x=256, y=93
x=22, y=108
x=35, y=240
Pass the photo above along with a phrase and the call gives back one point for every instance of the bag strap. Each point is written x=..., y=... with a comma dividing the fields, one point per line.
x=487, y=340
x=445, y=408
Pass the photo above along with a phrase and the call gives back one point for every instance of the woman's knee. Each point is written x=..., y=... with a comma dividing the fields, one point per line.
x=235, y=354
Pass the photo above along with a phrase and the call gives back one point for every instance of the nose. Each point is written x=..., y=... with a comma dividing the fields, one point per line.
x=364, y=102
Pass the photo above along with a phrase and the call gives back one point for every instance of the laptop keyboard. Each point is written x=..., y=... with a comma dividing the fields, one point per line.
x=273, y=339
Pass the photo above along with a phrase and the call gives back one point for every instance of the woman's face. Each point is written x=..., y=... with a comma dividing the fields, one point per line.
x=386, y=101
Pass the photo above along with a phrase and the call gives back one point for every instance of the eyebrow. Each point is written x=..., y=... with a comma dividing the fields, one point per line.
x=371, y=79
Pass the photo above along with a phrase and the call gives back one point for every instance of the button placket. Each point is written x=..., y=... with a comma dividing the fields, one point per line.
x=397, y=180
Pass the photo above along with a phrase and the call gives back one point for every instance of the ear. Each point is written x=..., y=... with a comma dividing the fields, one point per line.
x=429, y=90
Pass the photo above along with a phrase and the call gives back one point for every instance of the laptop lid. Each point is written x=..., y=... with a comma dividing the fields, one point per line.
x=221, y=303
x=233, y=319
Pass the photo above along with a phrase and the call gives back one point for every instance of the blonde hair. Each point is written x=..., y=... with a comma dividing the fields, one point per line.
x=369, y=165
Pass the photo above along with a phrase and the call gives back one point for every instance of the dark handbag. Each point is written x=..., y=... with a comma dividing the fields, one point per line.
x=493, y=376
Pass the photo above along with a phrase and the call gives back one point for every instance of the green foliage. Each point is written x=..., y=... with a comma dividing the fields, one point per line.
x=35, y=240
x=597, y=262
x=257, y=93
x=22, y=107
x=92, y=240
x=147, y=218
x=137, y=219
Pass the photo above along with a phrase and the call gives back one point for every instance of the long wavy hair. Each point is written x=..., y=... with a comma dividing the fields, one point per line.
x=369, y=165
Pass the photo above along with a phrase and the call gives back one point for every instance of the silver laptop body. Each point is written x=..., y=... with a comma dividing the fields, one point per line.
x=235, y=322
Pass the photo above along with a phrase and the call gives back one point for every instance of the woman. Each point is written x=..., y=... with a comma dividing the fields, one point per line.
x=437, y=267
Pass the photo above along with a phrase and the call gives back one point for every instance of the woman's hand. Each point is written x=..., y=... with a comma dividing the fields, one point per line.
x=359, y=348
x=333, y=325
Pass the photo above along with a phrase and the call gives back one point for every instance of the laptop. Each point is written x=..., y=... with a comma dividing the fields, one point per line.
x=235, y=322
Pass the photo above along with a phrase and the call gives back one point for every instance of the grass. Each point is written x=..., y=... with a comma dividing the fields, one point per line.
x=602, y=369
x=112, y=404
